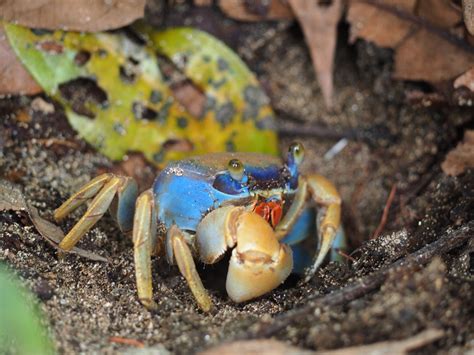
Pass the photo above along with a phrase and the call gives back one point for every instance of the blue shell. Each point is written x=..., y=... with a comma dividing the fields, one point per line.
x=186, y=190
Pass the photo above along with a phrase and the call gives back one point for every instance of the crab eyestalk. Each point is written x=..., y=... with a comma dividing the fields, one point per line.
x=294, y=159
x=236, y=170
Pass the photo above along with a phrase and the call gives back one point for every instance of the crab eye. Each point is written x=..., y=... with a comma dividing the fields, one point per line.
x=236, y=169
x=296, y=150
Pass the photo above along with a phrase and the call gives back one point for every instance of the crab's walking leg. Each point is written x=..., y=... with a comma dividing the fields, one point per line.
x=324, y=193
x=295, y=210
x=184, y=259
x=85, y=193
x=144, y=240
x=103, y=190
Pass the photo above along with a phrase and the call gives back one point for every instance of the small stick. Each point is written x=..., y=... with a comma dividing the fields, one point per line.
x=345, y=255
x=48, y=142
x=386, y=209
x=127, y=341
x=314, y=130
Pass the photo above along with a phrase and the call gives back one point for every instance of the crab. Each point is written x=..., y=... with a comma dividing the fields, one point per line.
x=254, y=204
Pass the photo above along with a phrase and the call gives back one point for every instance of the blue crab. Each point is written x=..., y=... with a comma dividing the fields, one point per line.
x=209, y=204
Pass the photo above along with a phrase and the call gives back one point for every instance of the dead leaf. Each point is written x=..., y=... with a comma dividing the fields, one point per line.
x=420, y=32
x=72, y=15
x=460, y=158
x=439, y=12
x=371, y=23
x=274, y=347
x=190, y=97
x=259, y=346
x=53, y=234
x=12, y=199
x=259, y=10
x=203, y=2
x=135, y=166
x=319, y=23
x=467, y=80
x=468, y=13
x=14, y=78
x=393, y=347
x=425, y=56
x=40, y=105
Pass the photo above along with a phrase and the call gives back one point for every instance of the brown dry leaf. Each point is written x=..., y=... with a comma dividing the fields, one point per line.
x=256, y=10
x=439, y=12
x=259, y=346
x=75, y=15
x=14, y=78
x=425, y=56
x=419, y=31
x=203, y=2
x=12, y=199
x=393, y=347
x=467, y=80
x=460, y=158
x=468, y=13
x=190, y=97
x=53, y=234
x=135, y=166
x=371, y=23
x=319, y=23
x=274, y=347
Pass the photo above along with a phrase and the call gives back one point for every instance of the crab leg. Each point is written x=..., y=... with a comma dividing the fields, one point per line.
x=295, y=210
x=324, y=193
x=144, y=240
x=184, y=259
x=85, y=193
x=105, y=188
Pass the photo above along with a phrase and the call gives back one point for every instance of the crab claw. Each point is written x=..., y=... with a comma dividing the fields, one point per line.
x=259, y=263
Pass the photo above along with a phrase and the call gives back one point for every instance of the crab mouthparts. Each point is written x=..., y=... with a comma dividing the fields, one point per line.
x=271, y=211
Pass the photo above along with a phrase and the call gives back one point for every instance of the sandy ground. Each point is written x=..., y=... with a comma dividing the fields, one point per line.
x=87, y=302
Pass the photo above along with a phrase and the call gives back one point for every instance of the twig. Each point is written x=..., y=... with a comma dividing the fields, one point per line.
x=127, y=341
x=386, y=209
x=314, y=130
x=48, y=142
x=345, y=255
x=450, y=240
x=369, y=135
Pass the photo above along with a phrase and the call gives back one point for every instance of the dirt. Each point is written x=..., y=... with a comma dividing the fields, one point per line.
x=86, y=303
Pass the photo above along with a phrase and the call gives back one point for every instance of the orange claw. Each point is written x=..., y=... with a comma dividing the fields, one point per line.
x=259, y=263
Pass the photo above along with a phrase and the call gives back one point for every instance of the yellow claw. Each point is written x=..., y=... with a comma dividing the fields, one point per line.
x=259, y=263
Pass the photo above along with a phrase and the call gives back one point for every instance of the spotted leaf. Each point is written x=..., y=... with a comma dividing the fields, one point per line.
x=116, y=98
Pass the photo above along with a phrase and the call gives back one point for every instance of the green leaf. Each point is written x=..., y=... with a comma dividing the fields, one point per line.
x=115, y=97
x=20, y=327
x=225, y=79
